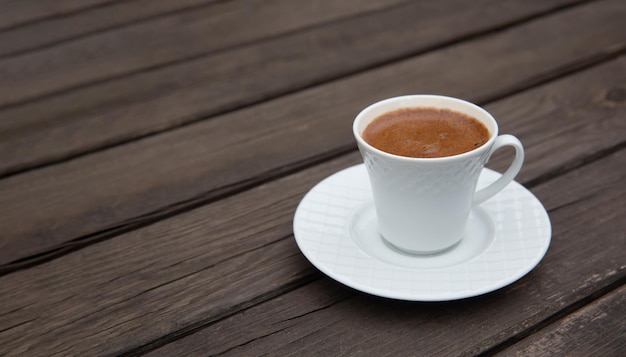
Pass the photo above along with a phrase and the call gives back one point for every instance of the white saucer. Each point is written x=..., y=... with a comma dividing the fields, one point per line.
x=335, y=228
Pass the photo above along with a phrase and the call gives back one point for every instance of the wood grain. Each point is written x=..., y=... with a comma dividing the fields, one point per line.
x=198, y=268
x=118, y=110
x=173, y=236
x=158, y=42
x=198, y=162
x=598, y=329
x=22, y=12
x=84, y=23
x=242, y=235
x=577, y=265
x=576, y=139
x=181, y=275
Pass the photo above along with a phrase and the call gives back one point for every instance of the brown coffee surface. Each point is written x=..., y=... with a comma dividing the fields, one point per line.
x=425, y=132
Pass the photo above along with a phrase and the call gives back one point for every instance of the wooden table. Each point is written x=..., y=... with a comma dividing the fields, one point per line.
x=153, y=153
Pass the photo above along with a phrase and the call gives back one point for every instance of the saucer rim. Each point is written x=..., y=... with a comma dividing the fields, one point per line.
x=427, y=297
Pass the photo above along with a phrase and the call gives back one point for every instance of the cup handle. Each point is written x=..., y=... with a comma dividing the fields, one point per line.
x=489, y=191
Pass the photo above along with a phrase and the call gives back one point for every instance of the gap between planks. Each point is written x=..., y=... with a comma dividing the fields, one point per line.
x=162, y=63
x=552, y=319
x=596, y=329
x=36, y=19
x=166, y=13
x=102, y=29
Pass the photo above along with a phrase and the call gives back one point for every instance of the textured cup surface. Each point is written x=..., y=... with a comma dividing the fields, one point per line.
x=423, y=204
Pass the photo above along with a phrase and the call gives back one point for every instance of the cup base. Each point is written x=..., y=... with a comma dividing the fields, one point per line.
x=362, y=225
x=419, y=253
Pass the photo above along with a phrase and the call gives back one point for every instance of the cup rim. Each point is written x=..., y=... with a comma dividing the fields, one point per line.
x=363, y=113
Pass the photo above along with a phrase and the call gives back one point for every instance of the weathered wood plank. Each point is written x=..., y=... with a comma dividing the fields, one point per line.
x=228, y=241
x=366, y=312
x=239, y=329
x=159, y=42
x=131, y=183
x=105, y=114
x=240, y=20
x=576, y=137
x=16, y=13
x=60, y=29
x=577, y=265
x=597, y=329
x=198, y=267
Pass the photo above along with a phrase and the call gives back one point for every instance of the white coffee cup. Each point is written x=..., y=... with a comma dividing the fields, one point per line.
x=423, y=204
